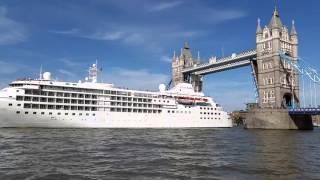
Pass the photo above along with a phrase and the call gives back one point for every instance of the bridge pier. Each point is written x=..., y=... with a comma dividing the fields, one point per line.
x=268, y=118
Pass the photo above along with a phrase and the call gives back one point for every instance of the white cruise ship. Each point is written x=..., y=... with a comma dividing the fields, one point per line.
x=55, y=104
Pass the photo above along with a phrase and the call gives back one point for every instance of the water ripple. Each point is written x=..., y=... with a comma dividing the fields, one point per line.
x=158, y=154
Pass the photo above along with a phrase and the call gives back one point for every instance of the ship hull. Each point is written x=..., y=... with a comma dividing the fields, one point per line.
x=35, y=118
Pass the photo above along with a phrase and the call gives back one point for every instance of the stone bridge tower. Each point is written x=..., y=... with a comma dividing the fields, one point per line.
x=278, y=83
x=185, y=60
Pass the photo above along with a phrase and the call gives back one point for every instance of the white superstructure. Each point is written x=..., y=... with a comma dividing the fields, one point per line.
x=55, y=104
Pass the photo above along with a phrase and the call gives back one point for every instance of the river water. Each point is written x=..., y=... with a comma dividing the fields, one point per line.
x=158, y=154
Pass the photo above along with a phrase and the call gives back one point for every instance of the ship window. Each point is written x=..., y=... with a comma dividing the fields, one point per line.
x=80, y=114
x=93, y=114
x=168, y=111
x=18, y=112
x=19, y=105
x=200, y=107
x=26, y=112
x=17, y=90
x=66, y=114
x=50, y=113
x=59, y=113
x=42, y=113
x=200, y=117
x=10, y=104
x=87, y=114
x=200, y=112
x=34, y=112
x=73, y=114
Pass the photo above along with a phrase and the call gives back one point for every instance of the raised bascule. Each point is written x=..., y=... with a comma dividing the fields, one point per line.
x=276, y=70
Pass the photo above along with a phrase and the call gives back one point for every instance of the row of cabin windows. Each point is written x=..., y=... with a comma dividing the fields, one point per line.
x=205, y=108
x=181, y=112
x=130, y=99
x=59, y=94
x=10, y=104
x=59, y=113
x=137, y=99
x=210, y=113
x=73, y=89
x=54, y=100
x=112, y=92
x=135, y=104
x=209, y=118
x=135, y=110
x=73, y=108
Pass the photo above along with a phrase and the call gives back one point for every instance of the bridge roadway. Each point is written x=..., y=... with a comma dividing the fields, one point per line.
x=222, y=64
x=307, y=111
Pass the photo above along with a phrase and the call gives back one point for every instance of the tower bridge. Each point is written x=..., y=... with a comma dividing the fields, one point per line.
x=276, y=72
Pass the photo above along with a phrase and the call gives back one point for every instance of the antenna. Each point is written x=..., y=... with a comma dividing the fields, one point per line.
x=222, y=51
x=40, y=73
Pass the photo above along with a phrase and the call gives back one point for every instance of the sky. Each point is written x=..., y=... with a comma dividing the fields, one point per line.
x=134, y=40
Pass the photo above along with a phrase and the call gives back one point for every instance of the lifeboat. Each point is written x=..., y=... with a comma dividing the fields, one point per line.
x=191, y=100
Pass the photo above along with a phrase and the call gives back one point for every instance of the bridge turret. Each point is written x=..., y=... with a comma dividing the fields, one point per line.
x=277, y=82
x=185, y=61
x=259, y=31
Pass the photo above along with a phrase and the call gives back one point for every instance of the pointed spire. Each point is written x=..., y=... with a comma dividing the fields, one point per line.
x=198, y=55
x=259, y=30
x=293, y=29
x=275, y=21
x=186, y=45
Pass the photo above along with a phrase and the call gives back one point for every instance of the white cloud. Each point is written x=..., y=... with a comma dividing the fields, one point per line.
x=7, y=68
x=11, y=32
x=166, y=59
x=134, y=39
x=164, y=6
x=67, y=73
x=136, y=78
x=97, y=35
x=217, y=16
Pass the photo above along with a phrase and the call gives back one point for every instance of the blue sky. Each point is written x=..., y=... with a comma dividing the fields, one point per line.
x=134, y=39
